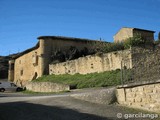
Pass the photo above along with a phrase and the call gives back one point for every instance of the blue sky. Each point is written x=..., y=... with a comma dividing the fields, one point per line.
x=22, y=21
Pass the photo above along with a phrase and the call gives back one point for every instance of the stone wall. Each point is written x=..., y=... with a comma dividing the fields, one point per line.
x=34, y=62
x=147, y=35
x=123, y=34
x=51, y=44
x=25, y=68
x=145, y=97
x=46, y=87
x=97, y=95
x=146, y=64
x=92, y=63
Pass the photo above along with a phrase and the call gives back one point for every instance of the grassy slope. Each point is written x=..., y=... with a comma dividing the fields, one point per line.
x=104, y=79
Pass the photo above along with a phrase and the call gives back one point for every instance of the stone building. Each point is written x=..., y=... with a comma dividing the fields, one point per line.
x=50, y=50
x=126, y=32
x=34, y=62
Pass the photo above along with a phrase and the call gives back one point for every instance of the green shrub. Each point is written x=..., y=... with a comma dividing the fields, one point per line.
x=113, y=47
x=136, y=40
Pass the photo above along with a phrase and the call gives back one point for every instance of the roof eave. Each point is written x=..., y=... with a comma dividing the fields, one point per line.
x=143, y=30
x=68, y=38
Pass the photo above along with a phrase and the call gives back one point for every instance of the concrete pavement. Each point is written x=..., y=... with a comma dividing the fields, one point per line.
x=56, y=107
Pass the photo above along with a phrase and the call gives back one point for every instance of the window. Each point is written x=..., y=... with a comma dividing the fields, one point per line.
x=35, y=59
x=21, y=72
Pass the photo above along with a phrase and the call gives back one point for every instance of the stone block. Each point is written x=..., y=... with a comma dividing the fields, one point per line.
x=158, y=90
x=157, y=85
x=156, y=107
x=151, y=101
x=134, y=89
x=138, y=99
x=121, y=95
x=155, y=91
x=148, y=90
x=129, y=103
x=128, y=90
x=144, y=100
x=140, y=89
x=130, y=100
x=140, y=94
x=157, y=97
x=130, y=94
x=148, y=96
x=46, y=87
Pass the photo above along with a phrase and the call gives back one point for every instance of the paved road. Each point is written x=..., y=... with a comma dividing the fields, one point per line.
x=16, y=106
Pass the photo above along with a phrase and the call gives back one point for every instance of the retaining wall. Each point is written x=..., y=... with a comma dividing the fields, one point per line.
x=46, y=87
x=98, y=95
x=92, y=63
x=145, y=97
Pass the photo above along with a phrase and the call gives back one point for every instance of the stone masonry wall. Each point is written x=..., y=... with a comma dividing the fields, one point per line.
x=97, y=95
x=123, y=34
x=25, y=69
x=146, y=64
x=46, y=87
x=145, y=97
x=92, y=63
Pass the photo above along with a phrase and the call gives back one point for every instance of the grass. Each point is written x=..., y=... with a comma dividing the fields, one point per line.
x=110, y=78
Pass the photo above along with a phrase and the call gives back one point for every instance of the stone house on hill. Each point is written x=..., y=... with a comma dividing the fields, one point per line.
x=34, y=62
x=127, y=32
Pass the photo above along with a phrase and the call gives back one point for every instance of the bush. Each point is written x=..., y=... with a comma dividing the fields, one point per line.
x=136, y=40
x=113, y=47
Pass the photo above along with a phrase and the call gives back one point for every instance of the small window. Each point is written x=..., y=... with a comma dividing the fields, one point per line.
x=21, y=72
x=35, y=59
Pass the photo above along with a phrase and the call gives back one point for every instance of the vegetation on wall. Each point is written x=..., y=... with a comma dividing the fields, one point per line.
x=109, y=78
x=136, y=40
x=73, y=53
x=101, y=47
x=104, y=47
x=114, y=47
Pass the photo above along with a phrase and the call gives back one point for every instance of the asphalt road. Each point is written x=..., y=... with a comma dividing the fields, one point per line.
x=17, y=106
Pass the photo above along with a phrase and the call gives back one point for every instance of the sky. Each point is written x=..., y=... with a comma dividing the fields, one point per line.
x=22, y=21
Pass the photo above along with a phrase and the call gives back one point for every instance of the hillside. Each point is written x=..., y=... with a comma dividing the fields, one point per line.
x=103, y=79
x=4, y=65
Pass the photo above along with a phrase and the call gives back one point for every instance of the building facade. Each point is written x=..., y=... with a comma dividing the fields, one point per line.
x=126, y=32
x=35, y=61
